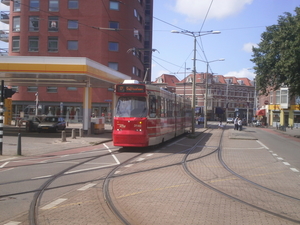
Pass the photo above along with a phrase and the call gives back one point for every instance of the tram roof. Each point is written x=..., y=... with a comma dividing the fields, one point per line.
x=57, y=71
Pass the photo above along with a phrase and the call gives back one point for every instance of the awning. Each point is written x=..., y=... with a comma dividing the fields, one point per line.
x=261, y=112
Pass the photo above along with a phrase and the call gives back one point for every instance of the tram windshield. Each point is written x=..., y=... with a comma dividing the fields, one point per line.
x=131, y=107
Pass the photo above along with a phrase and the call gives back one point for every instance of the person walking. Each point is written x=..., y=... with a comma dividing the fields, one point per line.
x=240, y=123
x=235, y=122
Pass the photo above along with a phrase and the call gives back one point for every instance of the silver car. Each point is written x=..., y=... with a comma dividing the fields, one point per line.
x=52, y=123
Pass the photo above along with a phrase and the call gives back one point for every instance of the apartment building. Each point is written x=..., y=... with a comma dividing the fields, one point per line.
x=278, y=108
x=226, y=96
x=116, y=34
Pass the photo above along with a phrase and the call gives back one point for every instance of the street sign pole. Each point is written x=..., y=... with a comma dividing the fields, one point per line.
x=1, y=116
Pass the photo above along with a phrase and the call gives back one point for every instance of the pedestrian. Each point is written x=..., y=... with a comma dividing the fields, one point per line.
x=220, y=124
x=240, y=123
x=235, y=122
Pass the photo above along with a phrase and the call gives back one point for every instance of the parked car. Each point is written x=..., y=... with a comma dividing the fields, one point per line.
x=229, y=120
x=256, y=123
x=33, y=123
x=52, y=123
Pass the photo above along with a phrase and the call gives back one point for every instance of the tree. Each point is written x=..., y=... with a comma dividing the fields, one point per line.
x=277, y=57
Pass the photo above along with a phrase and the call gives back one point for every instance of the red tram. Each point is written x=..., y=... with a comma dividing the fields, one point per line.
x=148, y=115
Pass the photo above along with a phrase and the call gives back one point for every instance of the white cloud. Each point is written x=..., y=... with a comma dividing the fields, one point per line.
x=248, y=47
x=245, y=72
x=196, y=10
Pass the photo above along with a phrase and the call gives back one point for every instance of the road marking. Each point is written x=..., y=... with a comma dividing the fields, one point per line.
x=117, y=161
x=88, y=169
x=129, y=165
x=295, y=170
x=12, y=223
x=149, y=155
x=41, y=177
x=262, y=145
x=86, y=187
x=176, y=142
x=140, y=159
x=4, y=164
x=8, y=159
x=53, y=204
x=286, y=163
x=274, y=154
x=279, y=158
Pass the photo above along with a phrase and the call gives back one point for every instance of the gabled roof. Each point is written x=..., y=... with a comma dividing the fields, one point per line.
x=170, y=80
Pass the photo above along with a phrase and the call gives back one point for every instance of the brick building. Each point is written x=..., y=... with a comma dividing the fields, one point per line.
x=115, y=34
x=227, y=96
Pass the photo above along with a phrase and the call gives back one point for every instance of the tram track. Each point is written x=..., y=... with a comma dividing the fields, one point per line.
x=116, y=205
x=218, y=151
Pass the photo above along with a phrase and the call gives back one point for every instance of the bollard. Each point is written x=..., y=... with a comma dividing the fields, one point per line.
x=19, y=151
x=80, y=132
x=63, y=136
x=73, y=134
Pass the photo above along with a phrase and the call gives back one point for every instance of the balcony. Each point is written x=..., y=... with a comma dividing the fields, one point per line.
x=4, y=17
x=4, y=35
x=3, y=52
x=6, y=2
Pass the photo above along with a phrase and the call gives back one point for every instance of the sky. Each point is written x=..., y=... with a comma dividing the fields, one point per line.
x=241, y=23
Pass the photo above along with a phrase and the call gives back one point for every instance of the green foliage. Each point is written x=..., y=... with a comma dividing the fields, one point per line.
x=277, y=57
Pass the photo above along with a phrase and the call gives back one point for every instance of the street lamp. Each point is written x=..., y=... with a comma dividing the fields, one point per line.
x=194, y=35
x=206, y=87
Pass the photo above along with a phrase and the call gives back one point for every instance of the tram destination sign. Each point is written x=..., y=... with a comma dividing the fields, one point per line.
x=131, y=88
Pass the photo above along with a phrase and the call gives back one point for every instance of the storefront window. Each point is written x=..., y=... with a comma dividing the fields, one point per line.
x=276, y=117
x=297, y=118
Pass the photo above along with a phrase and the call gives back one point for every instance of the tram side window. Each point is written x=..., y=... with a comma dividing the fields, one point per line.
x=158, y=111
x=162, y=104
x=152, y=106
x=170, y=108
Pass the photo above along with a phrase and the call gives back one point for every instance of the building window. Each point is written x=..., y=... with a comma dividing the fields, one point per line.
x=72, y=24
x=16, y=24
x=15, y=43
x=73, y=4
x=113, y=65
x=113, y=5
x=51, y=89
x=278, y=97
x=33, y=23
x=72, y=88
x=72, y=45
x=271, y=97
x=53, y=5
x=32, y=89
x=113, y=24
x=15, y=88
x=17, y=5
x=113, y=46
x=34, y=5
x=53, y=23
x=33, y=44
x=52, y=44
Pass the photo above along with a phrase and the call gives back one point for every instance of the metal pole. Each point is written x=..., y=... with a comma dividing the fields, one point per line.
x=1, y=116
x=19, y=148
x=194, y=89
x=206, y=93
x=226, y=102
